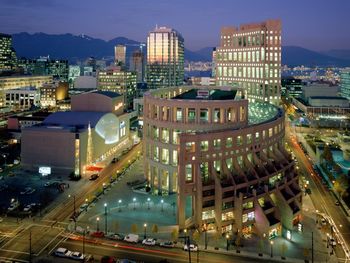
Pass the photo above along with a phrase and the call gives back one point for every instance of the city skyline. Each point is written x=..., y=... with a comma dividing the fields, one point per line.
x=134, y=20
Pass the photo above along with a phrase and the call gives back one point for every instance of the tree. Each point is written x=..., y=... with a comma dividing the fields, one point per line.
x=134, y=228
x=155, y=229
x=116, y=226
x=327, y=154
x=337, y=168
x=174, y=234
x=196, y=236
x=341, y=184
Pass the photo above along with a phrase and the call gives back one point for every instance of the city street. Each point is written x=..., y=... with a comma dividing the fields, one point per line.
x=323, y=200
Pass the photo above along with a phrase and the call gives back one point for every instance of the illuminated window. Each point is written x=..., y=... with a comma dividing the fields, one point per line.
x=165, y=135
x=249, y=138
x=174, y=157
x=122, y=129
x=239, y=140
x=165, y=156
x=204, y=145
x=190, y=146
x=229, y=142
x=208, y=214
x=227, y=216
x=178, y=114
x=189, y=177
x=217, y=143
x=248, y=205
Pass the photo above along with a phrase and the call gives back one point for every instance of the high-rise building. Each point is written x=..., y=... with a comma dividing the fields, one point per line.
x=74, y=72
x=120, y=81
x=213, y=65
x=165, y=58
x=7, y=53
x=120, y=55
x=250, y=56
x=137, y=64
x=58, y=69
x=345, y=83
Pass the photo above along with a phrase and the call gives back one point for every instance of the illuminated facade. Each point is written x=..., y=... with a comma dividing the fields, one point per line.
x=345, y=83
x=165, y=58
x=92, y=134
x=223, y=157
x=250, y=57
x=7, y=53
x=22, y=98
x=120, y=55
x=51, y=93
x=137, y=64
x=116, y=80
x=15, y=82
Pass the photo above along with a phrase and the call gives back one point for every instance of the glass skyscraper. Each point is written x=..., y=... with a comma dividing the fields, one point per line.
x=165, y=58
x=345, y=83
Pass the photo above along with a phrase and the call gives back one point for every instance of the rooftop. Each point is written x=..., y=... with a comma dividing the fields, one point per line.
x=73, y=118
x=213, y=94
x=327, y=98
x=259, y=112
x=110, y=94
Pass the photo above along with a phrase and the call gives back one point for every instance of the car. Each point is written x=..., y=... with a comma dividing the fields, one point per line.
x=108, y=259
x=168, y=244
x=99, y=234
x=31, y=191
x=337, y=203
x=125, y=261
x=131, y=238
x=193, y=247
x=26, y=190
x=13, y=206
x=77, y=256
x=149, y=242
x=83, y=207
x=47, y=184
x=11, y=174
x=323, y=221
x=93, y=177
x=115, y=236
x=1, y=170
x=332, y=242
x=27, y=208
x=62, y=252
x=114, y=160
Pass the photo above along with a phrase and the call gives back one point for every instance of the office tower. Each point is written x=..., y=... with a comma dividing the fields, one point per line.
x=137, y=64
x=120, y=55
x=345, y=83
x=74, y=72
x=7, y=53
x=120, y=81
x=213, y=63
x=165, y=58
x=250, y=56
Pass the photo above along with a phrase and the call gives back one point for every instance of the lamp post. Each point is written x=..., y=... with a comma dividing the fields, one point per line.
x=98, y=224
x=227, y=243
x=205, y=229
x=120, y=205
x=103, y=187
x=145, y=230
x=74, y=213
x=148, y=202
x=86, y=201
x=134, y=201
x=162, y=202
x=187, y=241
x=271, y=243
x=105, y=205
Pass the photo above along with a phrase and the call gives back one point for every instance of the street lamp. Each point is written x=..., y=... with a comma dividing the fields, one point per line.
x=74, y=213
x=205, y=229
x=105, y=205
x=86, y=202
x=271, y=243
x=187, y=241
x=98, y=224
x=148, y=202
x=227, y=244
x=103, y=187
x=145, y=230
x=120, y=204
x=162, y=202
x=134, y=200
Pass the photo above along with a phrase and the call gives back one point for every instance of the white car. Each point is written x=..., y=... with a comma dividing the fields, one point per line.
x=131, y=238
x=13, y=206
x=323, y=221
x=63, y=252
x=27, y=208
x=77, y=256
x=193, y=247
x=149, y=242
x=332, y=242
x=83, y=207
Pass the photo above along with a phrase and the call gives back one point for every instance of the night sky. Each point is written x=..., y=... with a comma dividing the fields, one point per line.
x=314, y=24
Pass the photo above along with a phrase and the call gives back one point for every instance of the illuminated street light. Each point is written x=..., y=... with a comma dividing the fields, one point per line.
x=162, y=202
x=148, y=202
x=105, y=205
x=271, y=243
x=227, y=243
x=134, y=200
x=98, y=224
x=145, y=230
x=120, y=204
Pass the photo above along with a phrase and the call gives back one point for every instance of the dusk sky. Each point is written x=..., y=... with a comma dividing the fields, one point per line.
x=314, y=24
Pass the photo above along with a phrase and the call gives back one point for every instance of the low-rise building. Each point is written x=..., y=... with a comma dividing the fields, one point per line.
x=22, y=98
x=52, y=93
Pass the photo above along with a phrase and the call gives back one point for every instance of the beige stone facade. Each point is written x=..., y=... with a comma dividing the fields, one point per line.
x=225, y=160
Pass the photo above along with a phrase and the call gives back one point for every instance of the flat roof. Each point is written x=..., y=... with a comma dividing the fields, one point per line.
x=73, y=118
x=327, y=98
x=214, y=94
x=110, y=94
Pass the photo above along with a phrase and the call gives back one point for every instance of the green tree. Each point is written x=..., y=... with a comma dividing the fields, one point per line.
x=327, y=154
x=155, y=229
x=134, y=228
x=174, y=234
x=341, y=184
x=196, y=236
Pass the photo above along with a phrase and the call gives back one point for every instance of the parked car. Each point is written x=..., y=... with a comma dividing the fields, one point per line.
x=27, y=208
x=99, y=234
x=77, y=256
x=83, y=207
x=93, y=177
x=136, y=182
x=108, y=259
x=31, y=191
x=193, y=247
x=125, y=261
x=62, y=252
x=13, y=206
x=337, y=203
x=149, y=242
x=26, y=190
x=168, y=244
x=47, y=184
x=332, y=242
x=323, y=221
x=131, y=238
x=115, y=236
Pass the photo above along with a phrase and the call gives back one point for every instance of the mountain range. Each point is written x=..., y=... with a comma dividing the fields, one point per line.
x=73, y=48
